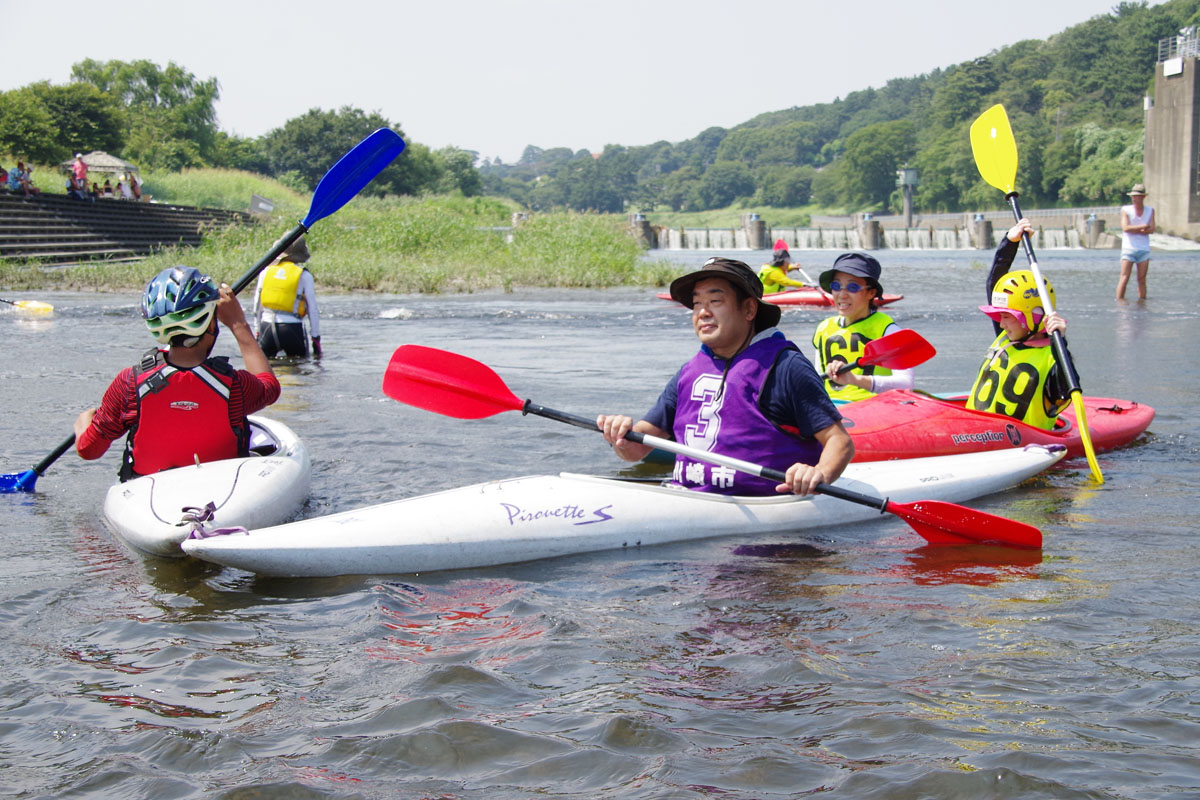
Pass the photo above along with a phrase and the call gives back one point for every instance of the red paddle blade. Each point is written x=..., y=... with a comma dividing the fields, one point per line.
x=947, y=523
x=900, y=350
x=446, y=383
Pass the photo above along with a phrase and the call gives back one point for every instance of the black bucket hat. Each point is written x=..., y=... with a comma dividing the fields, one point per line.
x=737, y=273
x=860, y=264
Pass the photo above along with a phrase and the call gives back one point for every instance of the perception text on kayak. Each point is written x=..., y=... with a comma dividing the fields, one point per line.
x=971, y=438
x=517, y=515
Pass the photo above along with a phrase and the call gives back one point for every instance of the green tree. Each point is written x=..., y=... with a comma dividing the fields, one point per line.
x=171, y=114
x=27, y=127
x=236, y=152
x=965, y=93
x=872, y=156
x=1110, y=161
x=789, y=144
x=311, y=143
x=783, y=187
x=724, y=182
x=458, y=173
x=827, y=188
x=84, y=117
x=681, y=189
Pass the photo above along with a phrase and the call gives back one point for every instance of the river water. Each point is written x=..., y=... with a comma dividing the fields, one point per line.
x=851, y=662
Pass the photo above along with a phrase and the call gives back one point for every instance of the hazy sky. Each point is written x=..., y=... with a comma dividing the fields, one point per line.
x=497, y=76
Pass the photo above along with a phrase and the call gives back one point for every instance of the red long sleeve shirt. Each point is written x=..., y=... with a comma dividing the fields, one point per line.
x=118, y=410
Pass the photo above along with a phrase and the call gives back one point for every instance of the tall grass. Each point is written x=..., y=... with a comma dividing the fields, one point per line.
x=402, y=245
x=221, y=188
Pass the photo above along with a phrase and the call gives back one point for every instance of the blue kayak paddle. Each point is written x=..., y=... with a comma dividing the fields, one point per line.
x=338, y=186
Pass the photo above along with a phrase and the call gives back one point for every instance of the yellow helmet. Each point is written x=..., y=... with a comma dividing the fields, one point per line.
x=1016, y=294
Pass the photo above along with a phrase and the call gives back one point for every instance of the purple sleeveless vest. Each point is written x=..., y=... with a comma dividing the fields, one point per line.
x=732, y=423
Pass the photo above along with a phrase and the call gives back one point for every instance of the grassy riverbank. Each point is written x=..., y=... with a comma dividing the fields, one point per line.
x=402, y=245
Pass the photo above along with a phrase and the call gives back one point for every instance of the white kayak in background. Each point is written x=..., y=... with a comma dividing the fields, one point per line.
x=523, y=519
x=154, y=513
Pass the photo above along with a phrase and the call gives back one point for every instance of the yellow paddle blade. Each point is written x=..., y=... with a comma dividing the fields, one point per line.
x=995, y=148
x=1086, y=436
x=34, y=307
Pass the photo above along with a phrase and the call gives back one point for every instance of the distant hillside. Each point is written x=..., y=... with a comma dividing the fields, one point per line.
x=1075, y=101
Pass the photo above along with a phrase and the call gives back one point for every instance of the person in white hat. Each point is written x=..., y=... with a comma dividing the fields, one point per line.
x=1137, y=223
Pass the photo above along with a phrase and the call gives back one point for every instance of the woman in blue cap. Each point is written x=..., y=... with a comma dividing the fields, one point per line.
x=853, y=285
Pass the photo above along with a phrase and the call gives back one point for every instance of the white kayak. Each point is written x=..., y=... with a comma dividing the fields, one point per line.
x=522, y=519
x=155, y=513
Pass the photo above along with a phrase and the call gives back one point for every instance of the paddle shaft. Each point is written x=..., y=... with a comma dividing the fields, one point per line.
x=1057, y=344
x=703, y=455
x=63, y=447
x=269, y=258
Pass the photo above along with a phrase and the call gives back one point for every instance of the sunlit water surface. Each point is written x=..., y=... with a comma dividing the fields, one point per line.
x=850, y=662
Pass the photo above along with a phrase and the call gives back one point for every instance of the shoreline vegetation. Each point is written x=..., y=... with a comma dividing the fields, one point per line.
x=401, y=245
x=435, y=244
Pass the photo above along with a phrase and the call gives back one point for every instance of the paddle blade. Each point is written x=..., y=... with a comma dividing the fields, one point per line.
x=446, y=383
x=352, y=172
x=900, y=350
x=948, y=523
x=34, y=306
x=18, y=482
x=1085, y=436
x=995, y=148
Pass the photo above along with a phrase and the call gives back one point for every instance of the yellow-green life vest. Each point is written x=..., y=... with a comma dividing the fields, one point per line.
x=281, y=289
x=1012, y=381
x=769, y=275
x=835, y=340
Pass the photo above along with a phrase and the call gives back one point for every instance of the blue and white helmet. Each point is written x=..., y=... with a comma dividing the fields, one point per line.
x=179, y=304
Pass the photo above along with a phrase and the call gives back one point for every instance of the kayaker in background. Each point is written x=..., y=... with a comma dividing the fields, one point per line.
x=286, y=295
x=853, y=283
x=181, y=406
x=1019, y=377
x=774, y=276
x=749, y=393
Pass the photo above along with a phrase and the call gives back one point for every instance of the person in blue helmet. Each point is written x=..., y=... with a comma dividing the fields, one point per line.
x=181, y=405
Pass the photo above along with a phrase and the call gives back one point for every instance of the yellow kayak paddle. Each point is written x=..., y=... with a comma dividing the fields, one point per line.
x=995, y=152
x=30, y=306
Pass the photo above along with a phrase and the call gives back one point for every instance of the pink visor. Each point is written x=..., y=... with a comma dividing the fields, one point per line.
x=997, y=313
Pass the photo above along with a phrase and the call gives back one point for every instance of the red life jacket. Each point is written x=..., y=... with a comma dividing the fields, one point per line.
x=182, y=416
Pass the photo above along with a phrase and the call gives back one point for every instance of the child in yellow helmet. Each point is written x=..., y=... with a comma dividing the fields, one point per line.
x=1019, y=377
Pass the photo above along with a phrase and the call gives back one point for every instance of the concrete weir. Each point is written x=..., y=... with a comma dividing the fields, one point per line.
x=1056, y=229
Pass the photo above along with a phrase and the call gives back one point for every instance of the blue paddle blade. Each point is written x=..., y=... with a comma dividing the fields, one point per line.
x=352, y=172
x=18, y=482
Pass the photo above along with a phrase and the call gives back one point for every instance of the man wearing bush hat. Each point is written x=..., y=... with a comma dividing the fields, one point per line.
x=749, y=393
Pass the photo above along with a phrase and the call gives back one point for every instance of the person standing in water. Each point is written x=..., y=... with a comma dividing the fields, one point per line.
x=1137, y=223
x=286, y=295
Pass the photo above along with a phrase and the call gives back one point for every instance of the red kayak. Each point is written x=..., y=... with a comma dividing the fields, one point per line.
x=907, y=424
x=808, y=296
